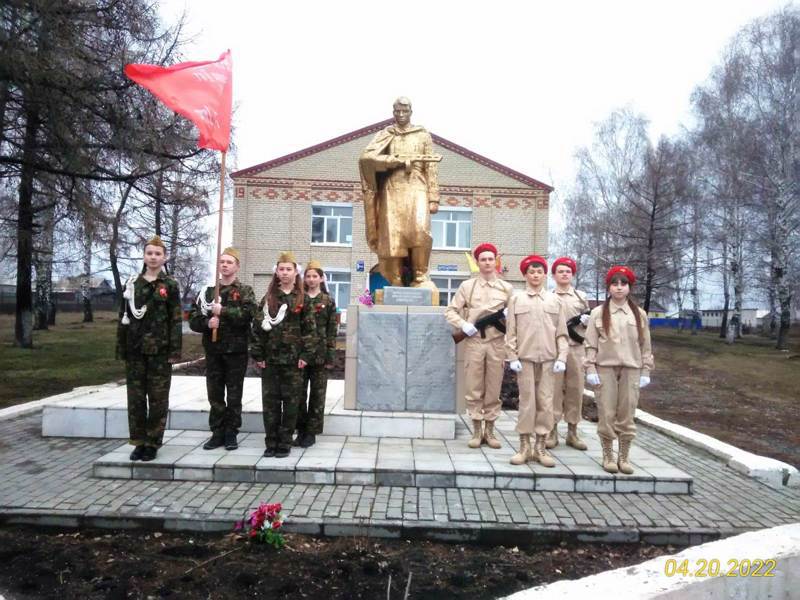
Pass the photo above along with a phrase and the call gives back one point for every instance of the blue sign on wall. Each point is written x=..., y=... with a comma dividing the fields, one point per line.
x=360, y=266
x=447, y=267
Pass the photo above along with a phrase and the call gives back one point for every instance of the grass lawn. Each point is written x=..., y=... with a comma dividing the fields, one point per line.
x=68, y=355
x=747, y=393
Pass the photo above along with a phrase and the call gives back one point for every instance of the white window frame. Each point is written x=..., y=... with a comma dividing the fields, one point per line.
x=336, y=284
x=461, y=275
x=338, y=225
x=454, y=209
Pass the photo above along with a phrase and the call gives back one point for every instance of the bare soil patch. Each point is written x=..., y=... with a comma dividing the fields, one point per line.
x=88, y=565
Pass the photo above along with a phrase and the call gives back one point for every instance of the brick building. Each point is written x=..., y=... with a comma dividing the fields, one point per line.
x=310, y=202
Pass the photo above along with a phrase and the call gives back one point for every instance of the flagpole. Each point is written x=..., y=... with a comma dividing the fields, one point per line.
x=219, y=236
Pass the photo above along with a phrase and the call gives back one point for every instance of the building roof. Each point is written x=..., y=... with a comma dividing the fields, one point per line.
x=376, y=127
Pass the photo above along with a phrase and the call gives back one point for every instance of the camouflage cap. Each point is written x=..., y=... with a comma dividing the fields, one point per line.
x=231, y=251
x=156, y=241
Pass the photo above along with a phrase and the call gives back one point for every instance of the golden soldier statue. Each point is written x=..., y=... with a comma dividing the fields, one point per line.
x=400, y=186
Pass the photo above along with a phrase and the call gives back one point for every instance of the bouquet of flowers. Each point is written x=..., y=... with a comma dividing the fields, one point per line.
x=263, y=525
x=366, y=298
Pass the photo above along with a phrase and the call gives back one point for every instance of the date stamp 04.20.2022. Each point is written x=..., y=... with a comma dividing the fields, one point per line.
x=733, y=567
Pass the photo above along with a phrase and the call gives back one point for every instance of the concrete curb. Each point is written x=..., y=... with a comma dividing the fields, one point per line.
x=493, y=534
x=734, y=560
x=770, y=471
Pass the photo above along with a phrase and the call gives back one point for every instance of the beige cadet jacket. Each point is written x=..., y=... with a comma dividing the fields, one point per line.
x=536, y=328
x=623, y=348
x=477, y=298
x=574, y=303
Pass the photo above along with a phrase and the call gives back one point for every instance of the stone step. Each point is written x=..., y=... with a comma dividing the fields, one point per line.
x=356, y=460
x=103, y=413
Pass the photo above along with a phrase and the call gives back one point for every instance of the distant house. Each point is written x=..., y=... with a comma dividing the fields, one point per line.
x=98, y=286
x=656, y=311
x=751, y=317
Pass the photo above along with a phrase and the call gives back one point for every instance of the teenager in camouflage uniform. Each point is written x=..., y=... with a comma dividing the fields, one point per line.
x=149, y=341
x=323, y=307
x=226, y=358
x=282, y=346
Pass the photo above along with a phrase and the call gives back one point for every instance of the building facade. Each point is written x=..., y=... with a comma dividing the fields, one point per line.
x=309, y=202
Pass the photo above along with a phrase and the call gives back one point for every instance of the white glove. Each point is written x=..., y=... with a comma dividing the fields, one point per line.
x=515, y=366
x=593, y=379
x=585, y=320
x=559, y=366
x=469, y=329
x=644, y=381
x=505, y=312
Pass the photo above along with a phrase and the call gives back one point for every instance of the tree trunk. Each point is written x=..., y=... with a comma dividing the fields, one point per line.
x=43, y=263
x=159, y=201
x=23, y=325
x=113, y=249
x=695, y=292
x=723, y=329
x=86, y=284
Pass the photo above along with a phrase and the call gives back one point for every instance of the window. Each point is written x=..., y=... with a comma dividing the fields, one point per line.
x=339, y=287
x=332, y=224
x=447, y=287
x=452, y=229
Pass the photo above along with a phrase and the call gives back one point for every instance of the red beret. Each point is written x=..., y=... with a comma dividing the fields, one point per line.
x=532, y=260
x=622, y=271
x=564, y=260
x=484, y=248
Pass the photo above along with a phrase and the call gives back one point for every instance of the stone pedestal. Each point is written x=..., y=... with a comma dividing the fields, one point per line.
x=400, y=359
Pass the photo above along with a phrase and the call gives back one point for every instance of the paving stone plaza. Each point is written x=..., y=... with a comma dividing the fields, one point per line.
x=389, y=486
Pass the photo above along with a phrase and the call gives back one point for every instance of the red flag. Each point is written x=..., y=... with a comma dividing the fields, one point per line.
x=200, y=91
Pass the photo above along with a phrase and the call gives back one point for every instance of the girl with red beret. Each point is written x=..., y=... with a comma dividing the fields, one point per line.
x=619, y=359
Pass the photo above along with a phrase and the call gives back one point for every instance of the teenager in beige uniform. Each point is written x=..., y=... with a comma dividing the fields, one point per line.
x=618, y=362
x=568, y=390
x=536, y=346
x=483, y=354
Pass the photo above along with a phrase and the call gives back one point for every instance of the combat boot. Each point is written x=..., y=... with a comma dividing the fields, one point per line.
x=477, y=434
x=215, y=441
x=552, y=438
x=298, y=441
x=540, y=453
x=573, y=439
x=137, y=453
x=624, y=449
x=524, y=454
x=488, y=435
x=609, y=464
x=149, y=453
x=231, y=443
x=308, y=440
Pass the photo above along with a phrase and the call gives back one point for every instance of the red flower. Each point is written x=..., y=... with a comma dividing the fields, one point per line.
x=318, y=308
x=298, y=309
x=162, y=291
x=276, y=524
x=235, y=295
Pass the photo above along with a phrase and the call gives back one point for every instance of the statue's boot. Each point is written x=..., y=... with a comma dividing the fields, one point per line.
x=477, y=434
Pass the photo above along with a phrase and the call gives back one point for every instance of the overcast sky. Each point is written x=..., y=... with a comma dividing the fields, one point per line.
x=521, y=82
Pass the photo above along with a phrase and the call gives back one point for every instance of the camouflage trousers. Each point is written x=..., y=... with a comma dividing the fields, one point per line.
x=281, y=389
x=311, y=415
x=225, y=371
x=148, y=378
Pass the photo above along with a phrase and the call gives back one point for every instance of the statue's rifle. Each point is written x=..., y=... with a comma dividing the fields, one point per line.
x=410, y=159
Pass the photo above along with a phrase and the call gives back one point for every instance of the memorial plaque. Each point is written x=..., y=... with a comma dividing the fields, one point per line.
x=406, y=296
x=381, y=370
x=430, y=370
